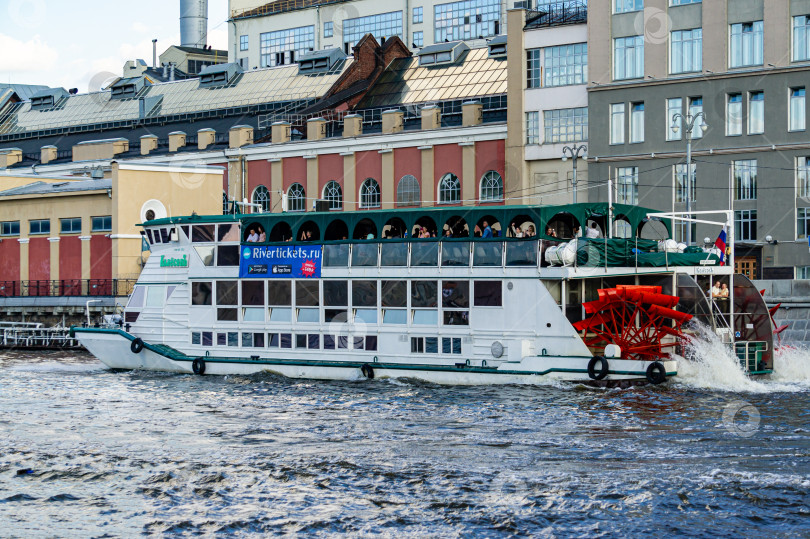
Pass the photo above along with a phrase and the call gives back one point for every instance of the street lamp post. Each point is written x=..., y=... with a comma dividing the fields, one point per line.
x=689, y=124
x=574, y=151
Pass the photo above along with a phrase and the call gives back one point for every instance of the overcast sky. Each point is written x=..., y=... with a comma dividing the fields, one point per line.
x=81, y=43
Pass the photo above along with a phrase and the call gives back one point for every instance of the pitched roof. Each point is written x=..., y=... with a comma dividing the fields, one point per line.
x=69, y=186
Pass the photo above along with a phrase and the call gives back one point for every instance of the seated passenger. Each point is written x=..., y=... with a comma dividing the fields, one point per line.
x=253, y=237
x=487, y=230
x=262, y=235
x=593, y=232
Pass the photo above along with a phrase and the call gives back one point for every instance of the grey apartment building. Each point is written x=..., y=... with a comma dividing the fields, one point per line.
x=745, y=64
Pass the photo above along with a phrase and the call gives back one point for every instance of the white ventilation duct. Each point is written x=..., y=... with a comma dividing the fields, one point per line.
x=193, y=23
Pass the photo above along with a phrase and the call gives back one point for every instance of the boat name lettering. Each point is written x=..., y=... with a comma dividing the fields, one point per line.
x=168, y=262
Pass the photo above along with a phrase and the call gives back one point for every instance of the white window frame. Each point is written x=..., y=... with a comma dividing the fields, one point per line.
x=734, y=115
x=370, y=194
x=797, y=109
x=674, y=105
x=628, y=58
x=637, y=122
x=617, y=123
x=756, y=112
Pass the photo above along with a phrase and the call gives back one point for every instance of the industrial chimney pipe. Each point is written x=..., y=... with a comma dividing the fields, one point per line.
x=193, y=23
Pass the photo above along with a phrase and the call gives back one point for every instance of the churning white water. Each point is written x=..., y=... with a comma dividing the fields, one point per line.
x=711, y=364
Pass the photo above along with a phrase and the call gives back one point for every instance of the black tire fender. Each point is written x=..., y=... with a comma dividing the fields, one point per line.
x=368, y=371
x=656, y=373
x=604, y=367
x=136, y=346
x=198, y=366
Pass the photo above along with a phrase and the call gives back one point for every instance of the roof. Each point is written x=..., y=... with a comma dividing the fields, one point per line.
x=440, y=47
x=406, y=82
x=207, y=52
x=23, y=91
x=282, y=6
x=69, y=186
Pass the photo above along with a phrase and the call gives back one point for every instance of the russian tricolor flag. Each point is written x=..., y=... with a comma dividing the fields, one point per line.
x=720, y=243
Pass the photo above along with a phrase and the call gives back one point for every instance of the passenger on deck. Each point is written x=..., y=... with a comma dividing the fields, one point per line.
x=593, y=232
x=724, y=290
x=717, y=292
x=487, y=230
x=530, y=233
x=262, y=235
x=516, y=231
x=551, y=232
x=253, y=237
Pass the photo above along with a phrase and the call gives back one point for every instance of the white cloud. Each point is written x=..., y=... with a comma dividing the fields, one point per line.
x=30, y=56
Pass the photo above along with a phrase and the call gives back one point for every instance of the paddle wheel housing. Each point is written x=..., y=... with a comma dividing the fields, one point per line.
x=639, y=319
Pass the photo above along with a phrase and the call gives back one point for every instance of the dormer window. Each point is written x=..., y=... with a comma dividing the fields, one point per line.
x=442, y=53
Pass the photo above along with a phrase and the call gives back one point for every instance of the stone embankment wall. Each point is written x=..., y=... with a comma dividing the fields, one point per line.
x=794, y=295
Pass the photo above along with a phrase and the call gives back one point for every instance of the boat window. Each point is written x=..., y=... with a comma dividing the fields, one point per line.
x=200, y=293
x=328, y=342
x=424, y=293
x=394, y=294
x=417, y=345
x=451, y=345
x=343, y=342
x=149, y=235
x=364, y=254
x=227, y=315
x=227, y=293
x=369, y=316
x=202, y=233
x=371, y=343
x=364, y=293
x=155, y=296
x=137, y=297
x=169, y=291
x=279, y=293
x=206, y=254
x=247, y=340
x=196, y=337
x=313, y=341
x=554, y=289
x=308, y=315
x=424, y=254
x=252, y=314
x=488, y=254
x=425, y=317
x=300, y=340
x=336, y=256
x=230, y=338
x=286, y=340
x=523, y=253
x=165, y=235
x=228, y=232
x=335, y=315
x=394, y=254
x=359, y=343
x=258, y=340
x=455, y=254
x=280, y=314
x=487, y=294
x=306, y=294
x=456, y=318
x=227, y=255
x=335, y=293
x=252, y=292
x=456, y=294
x=208, y=338
x=186, y=230
x=395, y=316
x=131, y=316
x=431, y=345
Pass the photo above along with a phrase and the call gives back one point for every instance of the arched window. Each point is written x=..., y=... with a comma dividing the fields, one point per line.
x=491, y=187
x=449, y=189
x=370, y=194
x=226, y=205
x=296, y=198
x=261, y=196
x=408, y=191
x=333, y=194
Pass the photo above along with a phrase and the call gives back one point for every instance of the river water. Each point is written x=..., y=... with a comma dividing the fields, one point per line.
x=88, y=452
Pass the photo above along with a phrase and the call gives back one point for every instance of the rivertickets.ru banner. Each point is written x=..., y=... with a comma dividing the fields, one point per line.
x=295, y=262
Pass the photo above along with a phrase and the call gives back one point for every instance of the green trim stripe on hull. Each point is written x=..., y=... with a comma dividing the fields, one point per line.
x=175, y=355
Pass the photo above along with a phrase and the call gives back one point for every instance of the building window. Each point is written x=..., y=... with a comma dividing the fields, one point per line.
x=491, y=187
x=382, y=25
x=803, y=272
x=686, y=51
x=333, y=194
x=803, y=177
x=746, y=44
x=261, y=196
x=296, y=198
x=636, y=122
x=566, y=125
x=681, y=182
x=695, y=108
x=745, y=179
x=408, y=193
x=418, y=39
x=283, y=46
x=468, y=19
x=797, y=109
x=449, y=189
x=71, y=225
x=681, y=228
x=533, y=127
x=734, y=115
x=674, y=106
x=628, y=58
x=801, y=38
x=533, y=68
x=39, y=226
x=10, y=228
x=683, y=2
x=100, y=224
x=243, y=43
x=802, y=223
x=617, y=123
x=566, y=65
x=417, y=15
x=745, y=225
x=627, y=185
x=625, y=6
x=328, y=29
x=370, y=194
x=756, y=113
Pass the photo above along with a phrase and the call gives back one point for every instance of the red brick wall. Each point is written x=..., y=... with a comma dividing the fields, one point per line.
x=258, y=174
x=70, y=258
x=489, y=155
x=9, y=260
x=39, y=259
x=368, y=165
x=294, y=169
x=100, y=257
x=446, y=158
x=330, y=167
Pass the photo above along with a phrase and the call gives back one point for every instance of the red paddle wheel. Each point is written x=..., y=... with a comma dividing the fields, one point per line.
x=777, y=330
x=639, y=319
